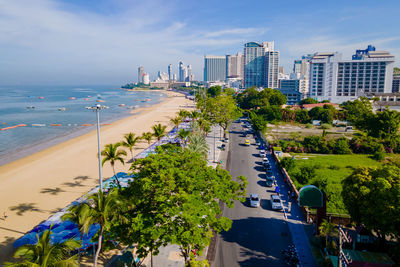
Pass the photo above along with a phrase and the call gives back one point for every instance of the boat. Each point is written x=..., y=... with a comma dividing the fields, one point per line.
x=121, y=105
x=147, y=99
x=100, y=101
x=38, y=125
x=86, y=99
x=72, y=98
x=41, y=97
x=62, y=109
x=31, y=107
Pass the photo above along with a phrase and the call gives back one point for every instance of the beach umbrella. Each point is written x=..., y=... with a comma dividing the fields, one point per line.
x=29, y=238
x=57, y=229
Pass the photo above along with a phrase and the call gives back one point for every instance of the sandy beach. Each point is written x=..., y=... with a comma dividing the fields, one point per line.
x=36, y=186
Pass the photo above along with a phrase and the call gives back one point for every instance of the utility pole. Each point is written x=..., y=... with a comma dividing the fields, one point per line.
x=343, y=259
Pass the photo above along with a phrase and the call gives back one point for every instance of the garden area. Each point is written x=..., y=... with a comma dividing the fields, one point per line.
x=327, y=173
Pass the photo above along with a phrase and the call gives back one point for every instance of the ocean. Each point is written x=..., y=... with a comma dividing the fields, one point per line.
x=53, y=114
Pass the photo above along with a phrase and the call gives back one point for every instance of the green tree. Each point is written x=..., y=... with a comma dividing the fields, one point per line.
x=372, y=197
x=112, y=154
x=78, y=214
x=205, y=126
x=176, y=121
x=130, y=141
x=159, y=131
x=359, y=112
x=183, y=113
x=301, y=115
x=194, y=115
x=148, y=136
x=342, y=146
x=101, y=207
x=175, y=199
x=328, y=230
x=44, y=253
x=222, y=110
x=214, y=91
x=288, y=163
x=198, y=144
x=384, y=124
x=308, y=101
x=258, y=122
x=183, y=135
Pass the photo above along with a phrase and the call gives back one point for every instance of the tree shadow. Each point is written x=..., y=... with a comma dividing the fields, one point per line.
x=25, y=207
x=52, y=191
x=74, y=184
x=82, y=178
x=260, y=240
x=6, y=247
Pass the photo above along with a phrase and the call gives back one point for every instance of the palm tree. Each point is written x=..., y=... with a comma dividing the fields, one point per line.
x=183, y=113
x=44, y=254
x=327, y=229
x=100, y=207
x=130, y=141
x=78, y=214
x=183, y=134
x=198, y=144
x=205, y=125
x=194, y=115
x=176, y=121
x=112, y=154
x=159, y=131
x=148, y=136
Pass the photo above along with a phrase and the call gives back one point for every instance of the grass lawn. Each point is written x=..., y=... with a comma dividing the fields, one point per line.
x=334, y=168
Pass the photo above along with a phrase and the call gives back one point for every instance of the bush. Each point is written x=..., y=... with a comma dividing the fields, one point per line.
x=326, y=126
x=288, y=163
x=308, y=125
x=342, y=146
x=333, y=167
x=305, y=174
x=379, y=156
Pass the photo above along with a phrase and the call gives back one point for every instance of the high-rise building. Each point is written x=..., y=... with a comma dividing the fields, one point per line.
x=181, y=71
x=235, y=66
x=396, y=84
x=174, y=77
x=337, y=80
x=188, y=73
x=214, y=68
x=170, y=75
x=271, y=69
x=261, y=65
x=146, y=78
x=140, y=74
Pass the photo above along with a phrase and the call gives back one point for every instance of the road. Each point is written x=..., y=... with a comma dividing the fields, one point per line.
x=258, y=235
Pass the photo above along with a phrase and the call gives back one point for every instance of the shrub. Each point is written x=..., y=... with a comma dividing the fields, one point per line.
x=342, y=146
x=288, y=163
x=379, y=156
x=305, y=174
x=308, y=125
x=333, y=167
x=326, y=126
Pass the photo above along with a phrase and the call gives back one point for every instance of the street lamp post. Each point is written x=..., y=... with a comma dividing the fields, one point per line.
x=215, y=135
x=97, y=108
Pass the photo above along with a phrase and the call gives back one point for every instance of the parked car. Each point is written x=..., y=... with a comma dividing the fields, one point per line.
x=269, y=182
x=247, y=142
x=265, y=161
x=276, y=202
x=262, y=153
x=254, y=200
x=268, y=173
x=267, y=167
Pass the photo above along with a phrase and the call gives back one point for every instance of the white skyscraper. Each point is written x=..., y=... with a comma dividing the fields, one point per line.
x=140, y=74
x=337, y=80
x=214, y=68
x=234, y=66
x=188, y=73
x=170, y=74
x=182, y=71
x=146, y=78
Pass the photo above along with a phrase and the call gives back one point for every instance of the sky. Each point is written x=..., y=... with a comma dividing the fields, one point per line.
x=79, y=42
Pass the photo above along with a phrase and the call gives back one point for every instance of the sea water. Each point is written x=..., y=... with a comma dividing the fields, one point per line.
x=39, y=106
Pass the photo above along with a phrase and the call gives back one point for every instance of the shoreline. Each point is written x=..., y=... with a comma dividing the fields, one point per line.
x=27, y=150
x=34, y=187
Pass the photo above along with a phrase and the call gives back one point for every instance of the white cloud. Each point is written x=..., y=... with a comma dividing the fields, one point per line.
x=44, y=41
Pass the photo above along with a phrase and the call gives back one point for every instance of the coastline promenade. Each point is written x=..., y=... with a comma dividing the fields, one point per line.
x=36, y=186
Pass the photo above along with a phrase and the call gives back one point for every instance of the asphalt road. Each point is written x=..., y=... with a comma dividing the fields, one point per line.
x=258, y=235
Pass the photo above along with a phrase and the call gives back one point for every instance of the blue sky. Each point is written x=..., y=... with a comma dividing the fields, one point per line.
x=103, y=42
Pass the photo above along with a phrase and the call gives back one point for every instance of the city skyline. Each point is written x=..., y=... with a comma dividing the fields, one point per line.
x=103, y=42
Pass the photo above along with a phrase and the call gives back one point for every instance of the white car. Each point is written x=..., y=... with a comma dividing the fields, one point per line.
x=254, y=201
x=265, y=161
x=262, y=154
x=276, y=202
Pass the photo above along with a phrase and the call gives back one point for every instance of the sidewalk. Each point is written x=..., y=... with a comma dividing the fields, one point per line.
x=169, y=256
x=295, y=220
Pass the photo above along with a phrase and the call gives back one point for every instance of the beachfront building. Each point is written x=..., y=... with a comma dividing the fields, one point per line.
x=261, y=64
x=396, y=84
x=235, y=66
x=338, y=80
x=181, y=71
x=170, y=74
x=214, y=68
x=140, y=74
x=146, y=78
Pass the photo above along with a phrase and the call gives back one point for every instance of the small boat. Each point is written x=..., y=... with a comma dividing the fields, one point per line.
x=62, y=109
x=31, y=107
x=41, y=97
x=100, y=101
x=121, y=105
x=72, y=98
x=38, y=125
x=147, y=99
